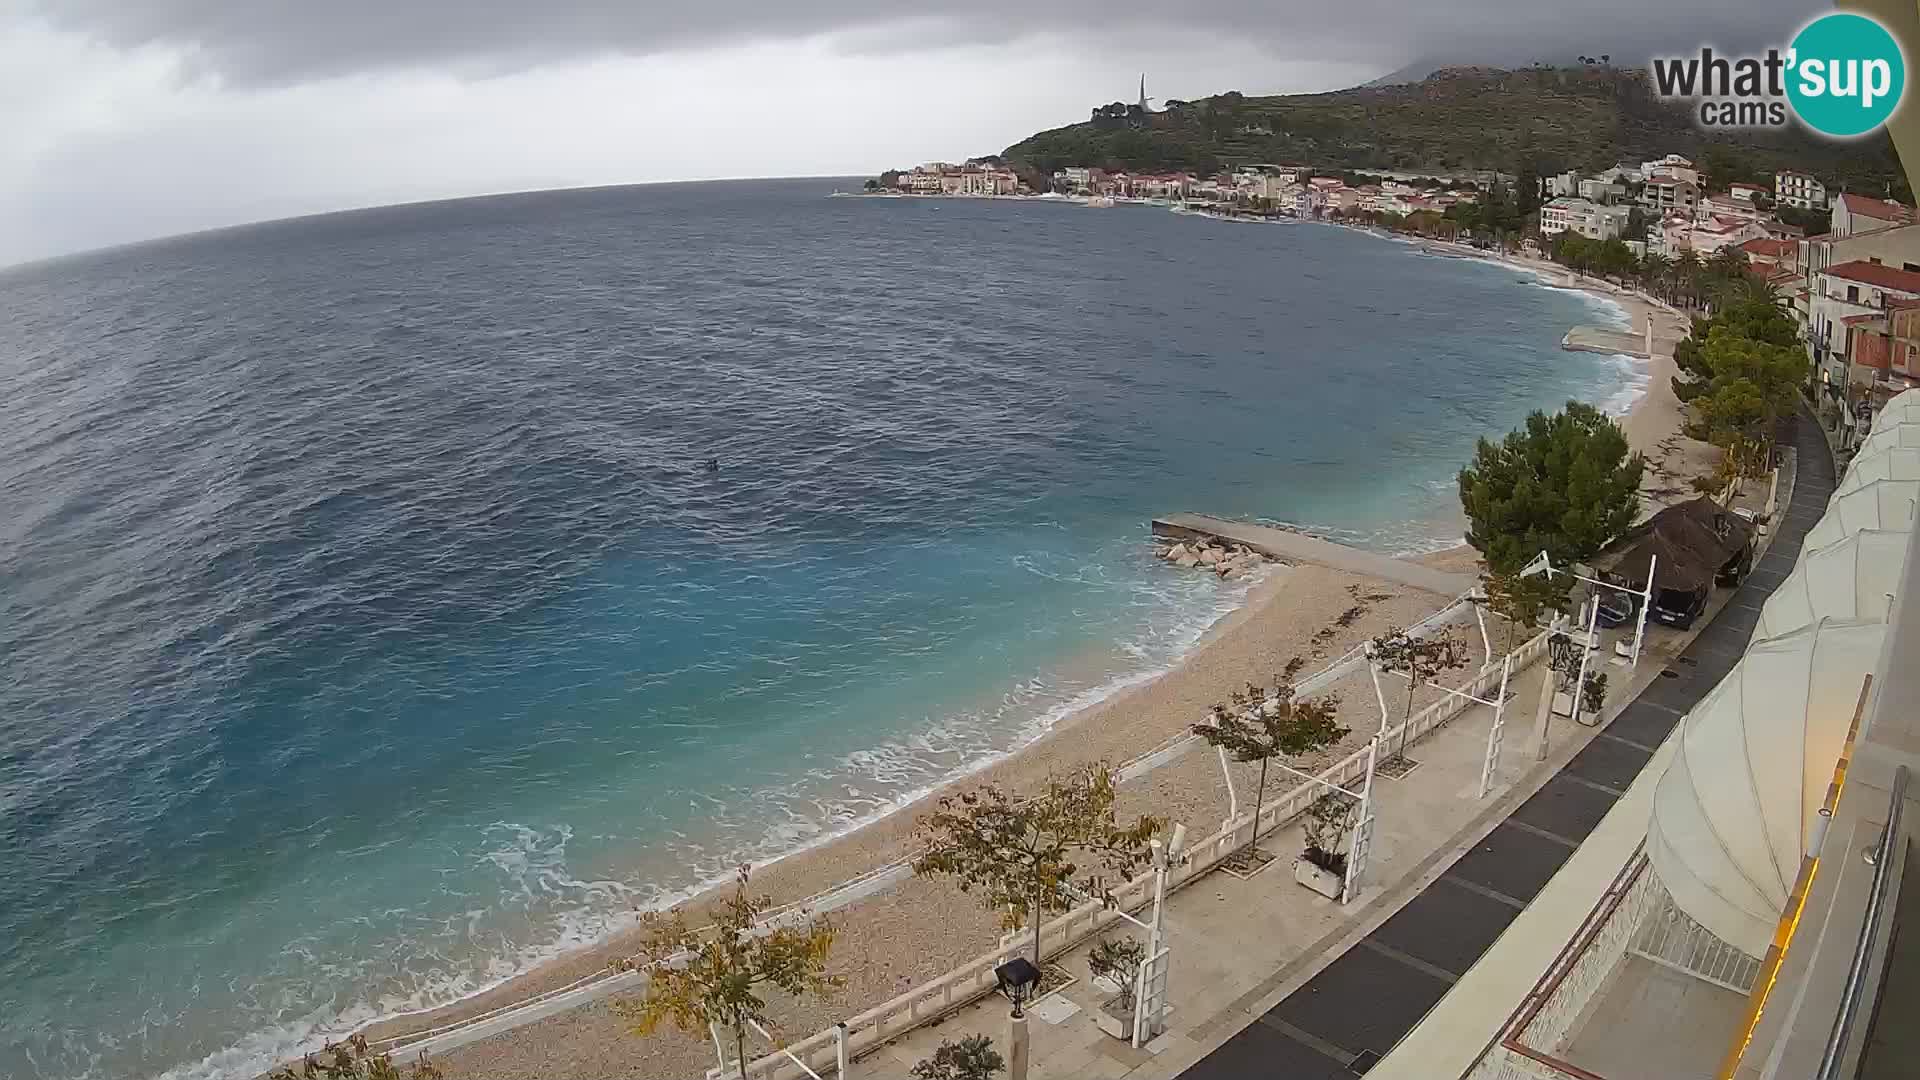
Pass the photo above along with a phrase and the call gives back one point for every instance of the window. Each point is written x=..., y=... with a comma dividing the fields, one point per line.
x=1853, y=294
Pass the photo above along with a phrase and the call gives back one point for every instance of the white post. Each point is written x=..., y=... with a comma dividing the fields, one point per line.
x=1363, y=829
x=1146, y=1020
x=1486, y=643
x=1233, y=800
x=1543, y=717
x=1373, y=669
x=1646, y=601
x=1017, y=1046
x=840, y=1049
x=1492, y=761
x=1580, y=684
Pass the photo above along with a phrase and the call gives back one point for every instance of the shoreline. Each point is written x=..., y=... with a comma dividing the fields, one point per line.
x=1295, y=599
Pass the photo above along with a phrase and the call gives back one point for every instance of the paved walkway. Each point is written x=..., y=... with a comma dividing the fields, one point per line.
x=1289, y=546
x=1352, y=1012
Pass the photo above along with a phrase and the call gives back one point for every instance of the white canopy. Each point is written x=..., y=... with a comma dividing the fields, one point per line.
x=1880, y=504
x=1848, y=579
x=1732, y=813
x=1898, y=409
x=1892, y=463
x=1893, y=434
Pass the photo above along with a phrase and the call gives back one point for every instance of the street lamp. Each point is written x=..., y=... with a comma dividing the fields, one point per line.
x=1017, y=980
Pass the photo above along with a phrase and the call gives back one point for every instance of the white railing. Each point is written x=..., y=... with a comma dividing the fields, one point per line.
x=1230, y=837
x=1670, y=938
x=1528, y=1044
x=973, y=980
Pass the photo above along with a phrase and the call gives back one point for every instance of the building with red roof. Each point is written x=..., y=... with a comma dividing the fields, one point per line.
x=1861, y=213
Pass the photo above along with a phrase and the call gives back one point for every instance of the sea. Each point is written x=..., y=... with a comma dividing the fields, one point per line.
x=392, y=599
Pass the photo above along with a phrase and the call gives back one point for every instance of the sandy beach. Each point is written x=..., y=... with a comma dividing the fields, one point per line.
x=919, y=929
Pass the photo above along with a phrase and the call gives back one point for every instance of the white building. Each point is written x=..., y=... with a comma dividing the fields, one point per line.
x=1860, y=214
x=1842, y=295
x=1799, y=189
x=1682, y=232
x=1583, y=216
x=1601, y=190
x=1745, y=192
x=1673, y=165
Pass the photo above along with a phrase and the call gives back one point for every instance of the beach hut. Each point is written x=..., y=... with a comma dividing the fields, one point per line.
x=1854, y=578
x=1689, y=547
x=1880, y=504
x=1735, y=811
x=1892, y=463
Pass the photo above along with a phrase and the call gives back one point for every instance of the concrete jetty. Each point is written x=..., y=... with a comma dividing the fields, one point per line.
x=1297, y=547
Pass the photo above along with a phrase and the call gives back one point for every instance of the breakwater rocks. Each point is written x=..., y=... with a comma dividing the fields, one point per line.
x=1230, y=561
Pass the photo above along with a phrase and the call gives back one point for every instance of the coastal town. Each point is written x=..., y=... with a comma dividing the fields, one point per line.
x=1846, y=264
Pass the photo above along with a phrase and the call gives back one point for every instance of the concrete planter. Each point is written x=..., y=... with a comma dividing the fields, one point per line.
x=1325, y=882
x=1113, y=1019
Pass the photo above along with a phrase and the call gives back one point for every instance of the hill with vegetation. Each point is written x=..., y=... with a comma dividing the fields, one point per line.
x=1538, y=120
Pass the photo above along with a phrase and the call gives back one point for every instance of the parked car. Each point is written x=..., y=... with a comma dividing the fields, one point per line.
x=1677, y=607
x=1618, y=609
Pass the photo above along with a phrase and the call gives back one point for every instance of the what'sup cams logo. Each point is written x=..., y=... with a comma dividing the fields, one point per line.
x=1843, y=76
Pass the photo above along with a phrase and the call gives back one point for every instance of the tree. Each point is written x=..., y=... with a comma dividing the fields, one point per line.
x=1522, y=600
x=1420, y=659
x=1118, y=959
x=352, y=1060
x=1739, y=373
x=701, y=978
x=1565, y=484
x=1024, y=854
x=972, y=1057
x=1259, y=726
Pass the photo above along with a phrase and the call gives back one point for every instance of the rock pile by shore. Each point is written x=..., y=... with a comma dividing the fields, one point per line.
x=1230, y=561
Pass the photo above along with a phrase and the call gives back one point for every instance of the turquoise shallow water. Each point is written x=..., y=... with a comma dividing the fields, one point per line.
x=371, y=627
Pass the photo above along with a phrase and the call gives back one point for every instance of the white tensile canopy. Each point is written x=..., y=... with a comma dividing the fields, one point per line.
x=1880, y=504
x=1853, y=578
x=1901, y=408
x=1732, y=813
x=1893, y=434
x=1893, y=463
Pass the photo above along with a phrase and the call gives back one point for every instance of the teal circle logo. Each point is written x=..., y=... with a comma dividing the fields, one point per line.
x=1846, y=74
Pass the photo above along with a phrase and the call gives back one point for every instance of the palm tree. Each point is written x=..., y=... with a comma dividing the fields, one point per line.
x=1656, y=275
x=1687, y=273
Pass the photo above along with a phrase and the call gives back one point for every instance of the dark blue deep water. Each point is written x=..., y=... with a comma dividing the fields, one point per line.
x=370, y=626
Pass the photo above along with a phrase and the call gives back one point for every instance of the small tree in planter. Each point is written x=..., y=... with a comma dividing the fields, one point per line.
x=1420, y=659
x=1258, y=726
x=971, y=1057
x=1119, y=960
x=1521, y=600
x=714, y=977
x=1326, y=825
x=1025, y=855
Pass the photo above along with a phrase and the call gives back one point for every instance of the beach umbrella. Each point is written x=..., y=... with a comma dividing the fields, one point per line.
x=1733, y=813
x=1893, y=463
x=1854, y=578
x=1880, y=504
x=1882, y=438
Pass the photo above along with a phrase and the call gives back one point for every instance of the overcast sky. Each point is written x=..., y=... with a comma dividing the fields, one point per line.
x=127, y=119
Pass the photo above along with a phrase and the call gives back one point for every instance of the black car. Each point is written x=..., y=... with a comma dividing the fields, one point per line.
x=1677, y=607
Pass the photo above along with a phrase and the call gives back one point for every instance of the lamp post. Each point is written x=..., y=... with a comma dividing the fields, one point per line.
x=1016, y=980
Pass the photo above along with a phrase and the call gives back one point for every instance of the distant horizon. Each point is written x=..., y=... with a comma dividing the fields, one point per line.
x=6, y=268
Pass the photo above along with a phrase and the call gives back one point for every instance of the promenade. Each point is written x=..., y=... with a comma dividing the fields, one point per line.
x=1267, y=978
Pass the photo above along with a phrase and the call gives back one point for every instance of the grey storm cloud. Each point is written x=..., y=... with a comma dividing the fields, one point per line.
x=275, y=42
